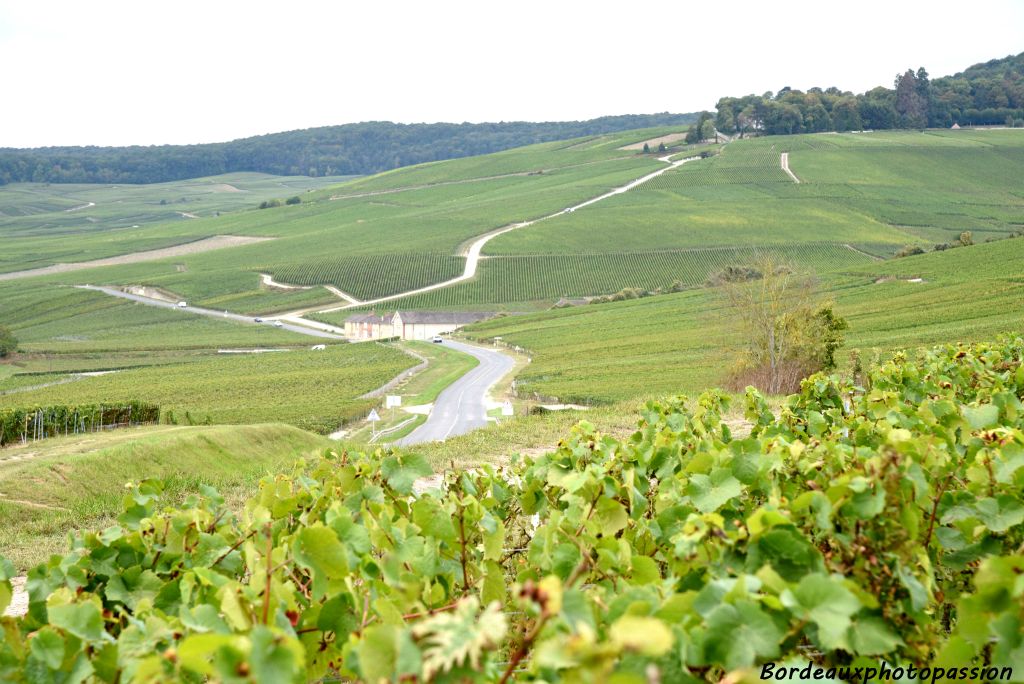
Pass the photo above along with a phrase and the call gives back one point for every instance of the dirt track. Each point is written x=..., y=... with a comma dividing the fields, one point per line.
x=204, y=245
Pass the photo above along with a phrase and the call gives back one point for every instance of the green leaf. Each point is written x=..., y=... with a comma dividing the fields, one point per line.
x=982, y=417
x=275, y=658
x=319, y=549
x=873, y=636
x=80, y=619
x=460, y=637
x=378, y=653
x=493, y=586
x=338, y=615
x=647, y=636
x=828, y=604
x=645, y=570
x=610, y=515
x=433, y=520
x=1000, y=514
x=709, y=493
x=47, y=647
x=400, y=471
x=196, y=653
x=738, y=635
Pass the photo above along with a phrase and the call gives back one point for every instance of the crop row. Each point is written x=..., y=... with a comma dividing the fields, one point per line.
x=532, y=278
x=39, y=422
x=375, y=275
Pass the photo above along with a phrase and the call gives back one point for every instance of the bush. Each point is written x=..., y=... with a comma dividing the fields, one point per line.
x=270, y=204
x=294, y=200
x=909, y=250
x=8, y=342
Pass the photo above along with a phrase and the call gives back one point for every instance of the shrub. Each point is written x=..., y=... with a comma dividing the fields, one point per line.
x=294, y=200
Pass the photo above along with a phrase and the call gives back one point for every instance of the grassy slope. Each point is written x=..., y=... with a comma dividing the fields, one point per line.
x=51, y=488
x=316, y=390
x=683, y=342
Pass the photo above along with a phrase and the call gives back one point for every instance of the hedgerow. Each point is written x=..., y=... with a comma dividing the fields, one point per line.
x=854, y=524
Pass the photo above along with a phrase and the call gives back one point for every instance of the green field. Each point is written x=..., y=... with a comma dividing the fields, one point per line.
x=315, y=390
x=32, y=215
x=73, y=483
x=685, y=342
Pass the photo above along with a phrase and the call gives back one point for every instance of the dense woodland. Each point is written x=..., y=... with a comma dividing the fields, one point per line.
x=989, y=94
x=350, y=149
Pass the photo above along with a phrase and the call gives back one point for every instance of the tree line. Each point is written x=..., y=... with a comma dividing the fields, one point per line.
x=350, y=149
x=983, y=95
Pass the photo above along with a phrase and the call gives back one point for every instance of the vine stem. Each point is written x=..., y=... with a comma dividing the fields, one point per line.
x=532, y=635
x=233, y=547
x=935, y=510
x=270, y=575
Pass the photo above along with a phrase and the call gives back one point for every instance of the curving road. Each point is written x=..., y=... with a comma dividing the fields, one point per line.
x=462, y=406
x=221, y=315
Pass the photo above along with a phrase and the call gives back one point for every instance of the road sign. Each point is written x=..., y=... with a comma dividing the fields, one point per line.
x=373, y=417
x=507, y=410
x=392, y=400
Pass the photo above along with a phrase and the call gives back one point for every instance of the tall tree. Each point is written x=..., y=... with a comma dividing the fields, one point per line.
x=911, y=107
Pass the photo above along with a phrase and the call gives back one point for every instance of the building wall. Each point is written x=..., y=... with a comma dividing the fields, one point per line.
x=406, y=331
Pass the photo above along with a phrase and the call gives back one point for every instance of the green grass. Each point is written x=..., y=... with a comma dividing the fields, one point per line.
x=316, y=390
x=50, y=488
x=685, y=342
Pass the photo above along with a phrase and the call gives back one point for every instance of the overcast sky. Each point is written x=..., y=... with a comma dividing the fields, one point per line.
x=151, y=72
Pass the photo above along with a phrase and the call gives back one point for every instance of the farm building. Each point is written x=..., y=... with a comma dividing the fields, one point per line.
x=408, y=325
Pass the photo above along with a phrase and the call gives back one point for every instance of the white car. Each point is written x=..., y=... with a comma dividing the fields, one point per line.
x=278, y=324
x=437, y=339
x=182, y=305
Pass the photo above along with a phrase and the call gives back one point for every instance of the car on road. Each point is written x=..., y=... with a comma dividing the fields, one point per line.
x=257, y=320
x=182, y=305
x=437, y=339
x=278, y=324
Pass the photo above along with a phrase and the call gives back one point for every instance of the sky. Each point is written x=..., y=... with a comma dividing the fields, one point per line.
x=150, y=72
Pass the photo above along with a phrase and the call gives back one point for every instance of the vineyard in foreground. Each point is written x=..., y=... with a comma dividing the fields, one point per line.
x=878, y=521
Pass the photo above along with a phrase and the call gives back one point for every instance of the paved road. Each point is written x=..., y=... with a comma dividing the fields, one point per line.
x=460, y=408
x=222, y=315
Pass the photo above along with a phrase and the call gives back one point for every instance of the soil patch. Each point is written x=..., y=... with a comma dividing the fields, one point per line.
x=654, y=142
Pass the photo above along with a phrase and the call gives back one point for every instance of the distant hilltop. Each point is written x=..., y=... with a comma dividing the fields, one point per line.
x=349, y=149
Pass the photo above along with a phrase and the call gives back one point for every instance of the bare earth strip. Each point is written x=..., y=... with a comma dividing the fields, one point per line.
x=654, y=142
x=784, y=162
x=204, y=245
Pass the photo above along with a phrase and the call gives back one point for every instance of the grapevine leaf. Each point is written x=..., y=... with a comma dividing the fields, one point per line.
x=319, y=549
x=647, y=636
x=493, y=586
x=709, y=493
x=80, y=619
x=402, y=470
x=611, y=516
x=460, y=637
x=645, y=570
x=873, y=636
x=824, y=601
x=737, y=635
x=982, y=417
x=433, y=520
x=1001, y=513
x=48, y=647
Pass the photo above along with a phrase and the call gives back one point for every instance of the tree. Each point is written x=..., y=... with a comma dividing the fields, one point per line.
x=647, y=148
x=662, y=148
x=8, y=343
x=294, y=200
x=707, y=129
x=910, y=105
x=966, y=239
x=788, y=333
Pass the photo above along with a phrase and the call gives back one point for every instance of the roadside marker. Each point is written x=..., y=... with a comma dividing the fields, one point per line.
x=373, y=418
